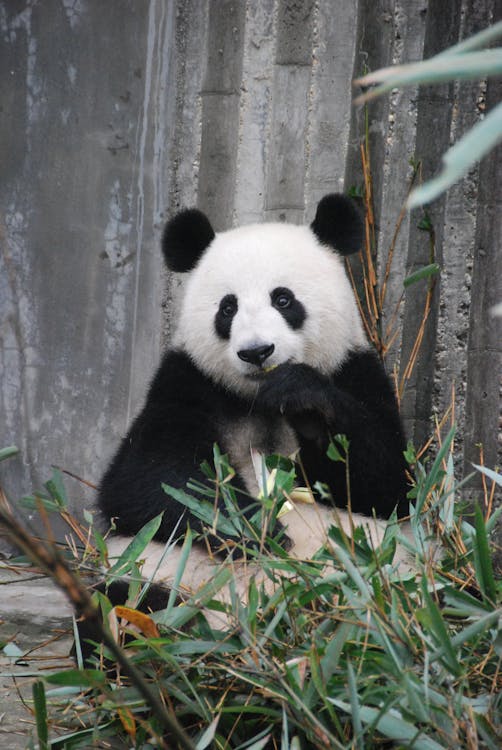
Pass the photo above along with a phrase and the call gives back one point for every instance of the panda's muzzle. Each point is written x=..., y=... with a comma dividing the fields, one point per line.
x=256, y=355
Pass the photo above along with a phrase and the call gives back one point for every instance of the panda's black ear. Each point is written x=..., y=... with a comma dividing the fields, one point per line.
x=185, y=238
x=339, y=223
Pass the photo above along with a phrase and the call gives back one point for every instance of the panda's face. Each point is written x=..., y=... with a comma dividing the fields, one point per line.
x=264, y=295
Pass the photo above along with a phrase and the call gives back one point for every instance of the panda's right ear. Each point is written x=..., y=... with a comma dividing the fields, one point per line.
x=185, y=238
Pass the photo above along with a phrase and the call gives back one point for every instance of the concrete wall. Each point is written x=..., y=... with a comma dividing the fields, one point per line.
x=114, y=115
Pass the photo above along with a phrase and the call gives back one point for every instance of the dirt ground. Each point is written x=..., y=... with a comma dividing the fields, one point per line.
x=35, y=622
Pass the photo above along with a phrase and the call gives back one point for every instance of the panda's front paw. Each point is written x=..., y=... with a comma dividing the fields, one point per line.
x=294, y=389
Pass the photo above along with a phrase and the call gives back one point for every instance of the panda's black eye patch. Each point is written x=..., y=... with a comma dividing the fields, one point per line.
x=290, y=308
x=226, y=312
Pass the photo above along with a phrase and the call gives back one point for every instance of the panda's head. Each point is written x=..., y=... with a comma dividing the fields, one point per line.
x=265, y=294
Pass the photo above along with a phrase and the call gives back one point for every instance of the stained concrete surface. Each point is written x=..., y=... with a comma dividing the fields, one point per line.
x=35, y=616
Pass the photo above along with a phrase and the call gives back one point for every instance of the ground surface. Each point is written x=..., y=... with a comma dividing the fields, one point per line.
x=35, y=617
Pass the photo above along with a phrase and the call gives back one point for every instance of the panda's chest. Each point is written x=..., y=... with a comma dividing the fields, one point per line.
x=241, y=437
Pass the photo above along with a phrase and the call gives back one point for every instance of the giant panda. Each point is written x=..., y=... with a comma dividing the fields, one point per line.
x=269, y=356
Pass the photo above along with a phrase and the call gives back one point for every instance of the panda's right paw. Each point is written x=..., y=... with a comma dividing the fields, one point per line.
x=294, y=389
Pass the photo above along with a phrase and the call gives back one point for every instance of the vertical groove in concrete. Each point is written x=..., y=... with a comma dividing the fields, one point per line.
x=285, y=188
x=484, y=352
x=435, y=106
x=330, y=104
x=220, y=111
x=255, y=111
x=374, y=34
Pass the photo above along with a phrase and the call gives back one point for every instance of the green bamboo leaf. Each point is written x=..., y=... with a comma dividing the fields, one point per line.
x=185, y=551
x=77, y=678
x=422, y=273
x=435, y=473
x=487, y=732
x=56, y=489
x=391, y=724
x=481, y=39
x=202, y=510
x=431, y=617
x=462, y=604
x=208, y=735
x=40, y=706
x=73, y=739
x=134, y=548
x=196, y=647
x=480, y=139
x=355, y=705
x=331, y=658
x=8, y=452
x=353, y=572
x=482, y=557
x=476, y=628
x=492, y=521
x=260, y=743
x=493, y=475
x=445, y=67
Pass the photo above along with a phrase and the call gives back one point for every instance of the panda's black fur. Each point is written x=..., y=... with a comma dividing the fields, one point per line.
x=187, y=411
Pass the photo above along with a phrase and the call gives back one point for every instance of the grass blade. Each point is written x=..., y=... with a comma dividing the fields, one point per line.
x=40, y=706
x=392, y=725
x=135, y=548
x=482, y=557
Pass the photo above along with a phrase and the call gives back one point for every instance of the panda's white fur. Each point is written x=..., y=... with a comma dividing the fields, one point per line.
x=307, y=525
x=290, y=256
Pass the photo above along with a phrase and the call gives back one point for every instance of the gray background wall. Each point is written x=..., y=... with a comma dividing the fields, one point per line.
x=115, y=114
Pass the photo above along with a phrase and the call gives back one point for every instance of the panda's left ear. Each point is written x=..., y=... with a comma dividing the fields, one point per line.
x=186, y=236
x=339, y=224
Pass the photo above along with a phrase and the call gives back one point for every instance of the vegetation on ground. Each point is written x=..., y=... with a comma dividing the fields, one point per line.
x=352, y=656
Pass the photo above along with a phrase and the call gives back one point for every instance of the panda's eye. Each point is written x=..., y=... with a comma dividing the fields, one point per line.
x=227, y=310
x=282, y=298
x=287, y=305
x=228, y=306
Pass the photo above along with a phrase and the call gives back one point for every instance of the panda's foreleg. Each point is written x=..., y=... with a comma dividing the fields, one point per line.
x=318, y=408
x=169, y=440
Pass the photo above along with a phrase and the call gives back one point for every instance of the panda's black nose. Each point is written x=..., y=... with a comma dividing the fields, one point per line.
x=256, y=355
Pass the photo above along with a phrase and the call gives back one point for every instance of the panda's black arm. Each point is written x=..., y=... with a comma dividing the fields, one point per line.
x=170, y=438
x=357, y=401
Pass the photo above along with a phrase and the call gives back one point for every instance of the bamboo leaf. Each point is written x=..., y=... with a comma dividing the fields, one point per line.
x=431, y=617
x=77, y=678
x=422, y=273
x=480, y=139
x=202, y=510
x=135, y=548
x=40, y=706
x=465, y=66
x=493, y=475
x=482, y=557
x=354, y=704
x=481, y=39
x=391, y=724
x=185, y=551
x=8, y=452
x=208, y=735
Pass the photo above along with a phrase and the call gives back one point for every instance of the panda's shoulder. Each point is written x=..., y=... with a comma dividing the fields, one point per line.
x=178, y=376
x=363, y=374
